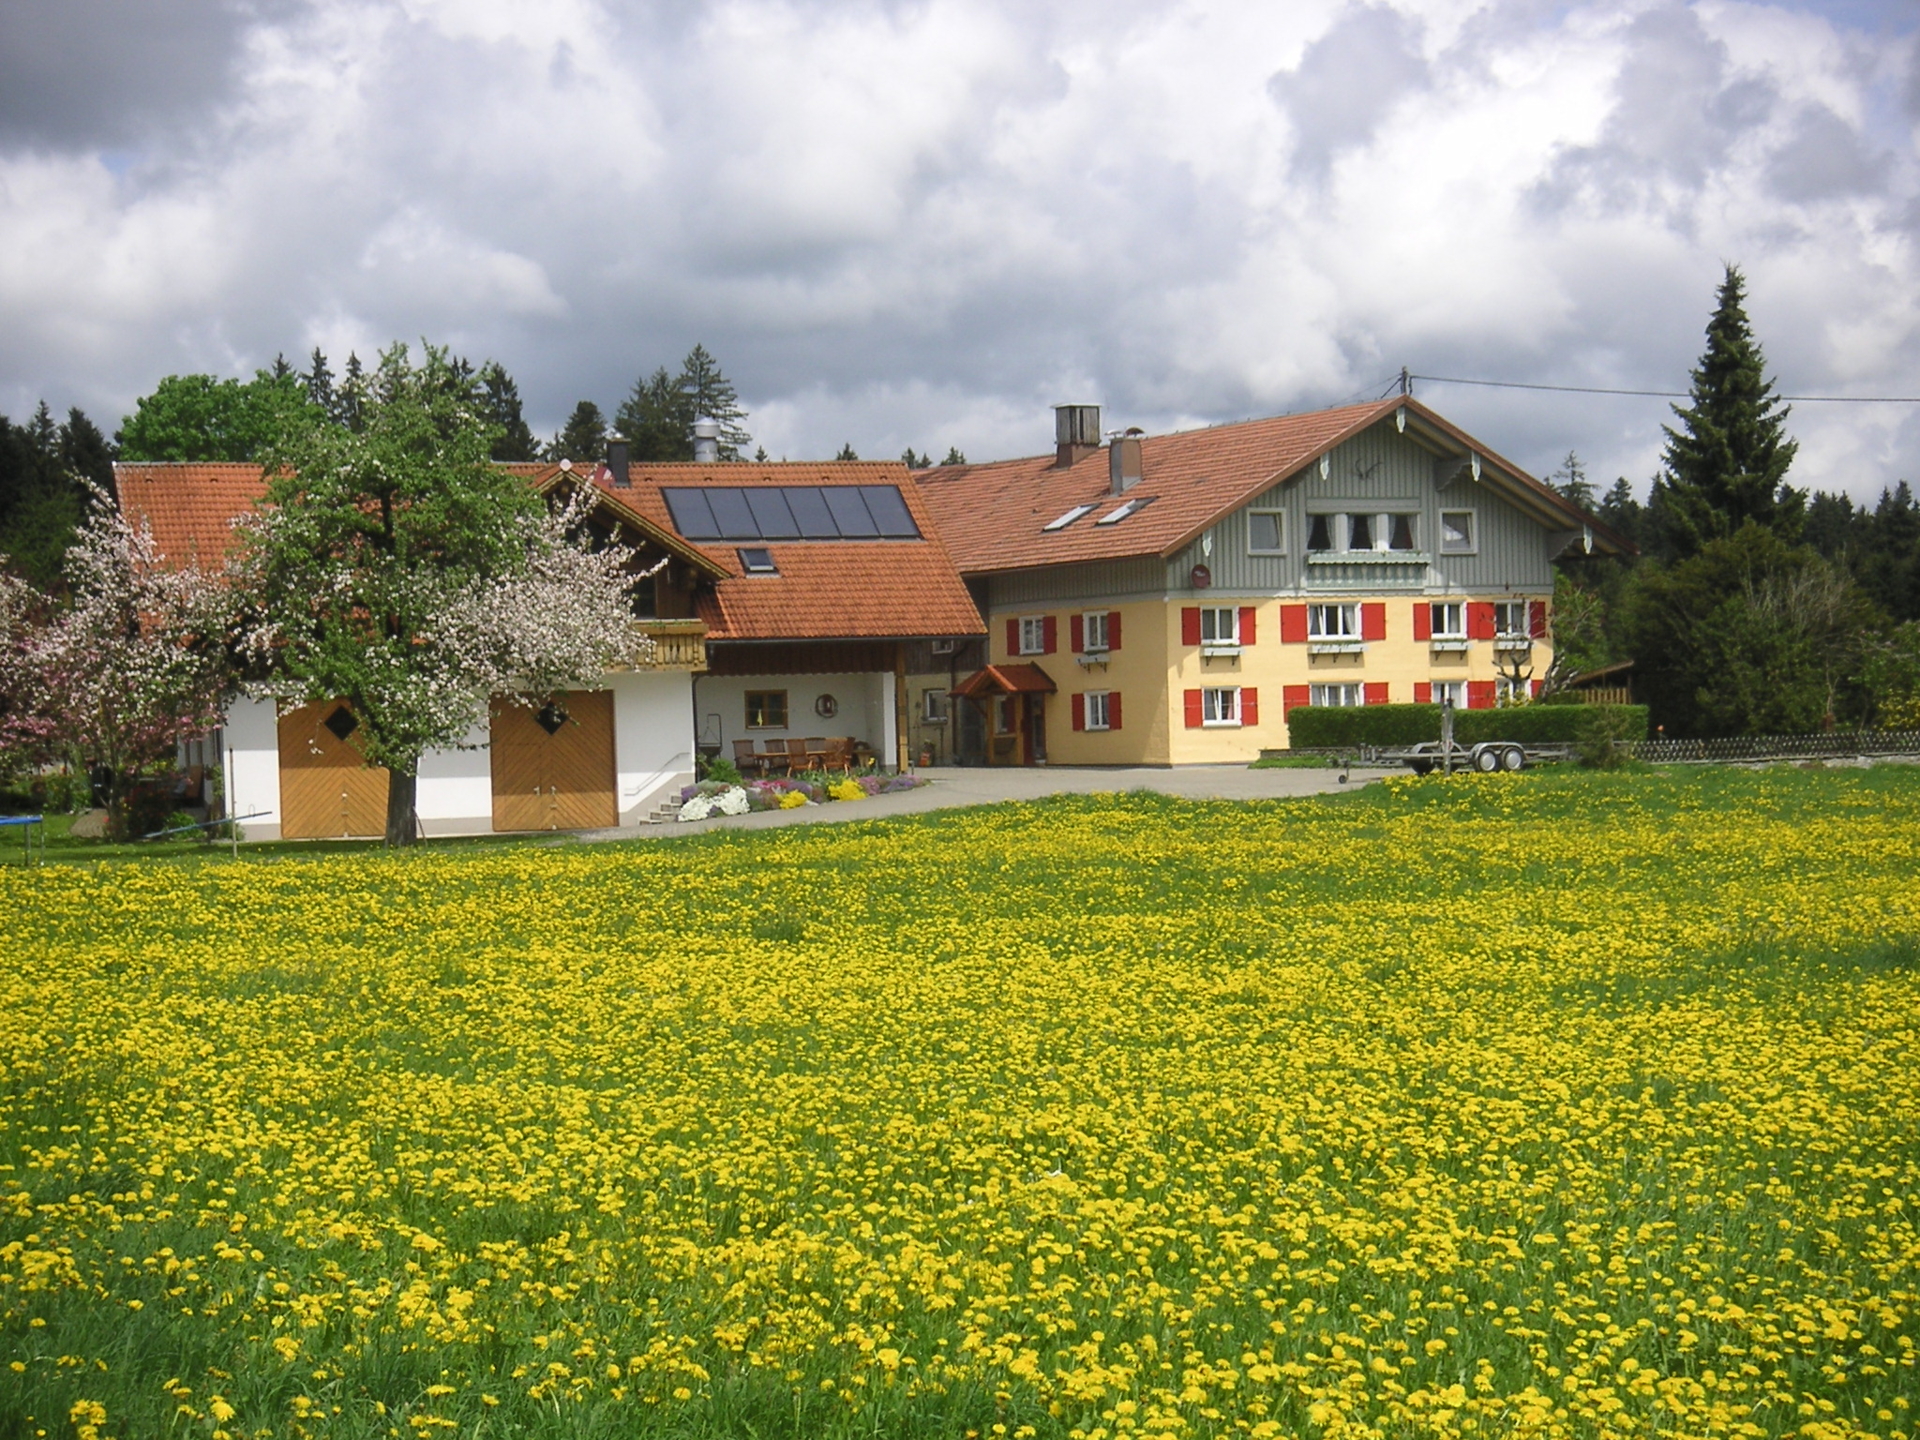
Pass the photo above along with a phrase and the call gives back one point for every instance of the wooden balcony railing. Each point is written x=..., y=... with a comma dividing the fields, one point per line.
x=669, y=645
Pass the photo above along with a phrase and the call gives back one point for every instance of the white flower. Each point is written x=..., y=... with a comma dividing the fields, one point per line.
x=698, y=808
x=732, y=802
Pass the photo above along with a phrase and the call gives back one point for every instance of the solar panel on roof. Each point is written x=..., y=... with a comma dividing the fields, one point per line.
x=691, y=515
x=770, y=513
x=890, y=512
x=849, y=511
x=810, y=512
x=732, y=513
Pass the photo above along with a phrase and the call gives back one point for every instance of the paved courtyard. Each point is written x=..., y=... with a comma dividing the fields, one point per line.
x=954, y=787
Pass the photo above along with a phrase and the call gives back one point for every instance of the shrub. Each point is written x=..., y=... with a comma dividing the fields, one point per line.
x=1350, y=727
x=723, y=771
x=1596, y=745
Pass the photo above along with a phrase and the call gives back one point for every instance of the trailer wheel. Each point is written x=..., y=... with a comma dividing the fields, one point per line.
x=1420, y=767
x=1486, y=761
x=1513, y=758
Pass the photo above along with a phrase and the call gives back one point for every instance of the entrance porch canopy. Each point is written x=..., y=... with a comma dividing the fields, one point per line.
x=1005, y=680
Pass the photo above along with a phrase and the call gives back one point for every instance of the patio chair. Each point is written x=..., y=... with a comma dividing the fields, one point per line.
x=840, y=754
x=797, y=755
x=817, y=752
x=774, y=758
x=745, y=761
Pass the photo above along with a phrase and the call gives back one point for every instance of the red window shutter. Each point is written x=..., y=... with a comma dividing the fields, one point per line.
x=1293, y=624
x=1534, y=689
x=1078, y=629
x=1249, y=705
x=1373, y=621
x=1423, y=621
x=1013, y=637
x=1079, y=712
x=1480, y=620
x=1196, y=717
x=1189, y=624
x=1537, y=619
x=1246, y=624
x=1113, y=633
x=1479, y=694
x=1049, y=635
x=1423, y=692
x=1292, y=697
x=1376, y=692
x=1113, y=709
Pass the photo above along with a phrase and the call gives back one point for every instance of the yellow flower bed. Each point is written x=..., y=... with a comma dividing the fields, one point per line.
x=1524, y=1106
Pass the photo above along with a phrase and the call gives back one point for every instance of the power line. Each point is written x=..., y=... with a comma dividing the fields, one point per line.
x=1666, y=394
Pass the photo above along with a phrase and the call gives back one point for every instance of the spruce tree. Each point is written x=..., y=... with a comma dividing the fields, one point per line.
x=1727, y=463
x=710, y=395
x=319, y=381
x=584, y=436
x=501, y=406
x=656, y=419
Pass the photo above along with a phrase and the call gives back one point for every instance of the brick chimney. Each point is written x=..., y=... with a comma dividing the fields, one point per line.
x=1076, y=433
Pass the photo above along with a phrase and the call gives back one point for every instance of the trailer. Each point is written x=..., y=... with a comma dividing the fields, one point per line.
x=1485, y=756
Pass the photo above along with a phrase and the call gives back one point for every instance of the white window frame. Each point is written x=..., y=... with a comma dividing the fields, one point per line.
x=1210, y=619
x=1003, y=716
x=1508, y=691
x=1383, y=531
x=1033, y=635
x=1348, y=628
x=1442, y=631
x=1090, y=622
x=1504, y=612
x=1344, y=695
x=1470, y=545
x=1455, y=688
x=1279, y=547
x=933, y=706
x=1097, y=712
x=1340, y=526
x=1220, y=707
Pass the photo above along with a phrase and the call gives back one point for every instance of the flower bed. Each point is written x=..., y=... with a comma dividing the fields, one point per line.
x=713, y=797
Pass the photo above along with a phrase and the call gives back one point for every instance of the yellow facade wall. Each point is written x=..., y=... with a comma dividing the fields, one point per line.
x=1153, y=670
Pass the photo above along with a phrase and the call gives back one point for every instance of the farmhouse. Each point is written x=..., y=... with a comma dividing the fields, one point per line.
x=1170, y=599
x=787, y=630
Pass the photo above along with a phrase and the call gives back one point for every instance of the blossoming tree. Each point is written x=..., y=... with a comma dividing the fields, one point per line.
x=138, y=659
x=397, y=568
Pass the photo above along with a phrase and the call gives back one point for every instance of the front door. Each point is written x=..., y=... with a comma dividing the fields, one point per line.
x=553, y=765
x=327, y=789
x=1036, y=729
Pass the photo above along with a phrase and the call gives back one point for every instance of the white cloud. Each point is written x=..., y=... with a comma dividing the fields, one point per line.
x=923, y=221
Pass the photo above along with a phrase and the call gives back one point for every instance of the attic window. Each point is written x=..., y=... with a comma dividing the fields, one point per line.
x=757, y=562
x=1114, y=517
x=1067, y=519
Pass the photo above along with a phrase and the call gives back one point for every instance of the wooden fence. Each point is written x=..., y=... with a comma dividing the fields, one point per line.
x=1829, y=745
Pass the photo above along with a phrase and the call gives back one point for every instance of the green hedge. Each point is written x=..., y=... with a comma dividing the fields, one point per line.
x=1349, y=727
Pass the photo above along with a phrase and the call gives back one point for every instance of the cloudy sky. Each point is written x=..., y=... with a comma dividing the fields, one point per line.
x=923, y=222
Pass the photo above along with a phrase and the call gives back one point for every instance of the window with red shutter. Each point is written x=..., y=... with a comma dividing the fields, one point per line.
x=1013, y=637
x=1373, y=621
x=1537, y=619
x=1376, y=692
x=1113, y=710
x=1294, y=696
x=1293, y=624
x=1249, y=705
x=1195, y=717
x=1079, y=712
x=1113, y=641
x=1480, y=621
x=1077, y=629
x=1190, y=626
x=1480, y=694
x=1050, y=636
x=1246, y=624
x=1423, y=621
x=1423, y=692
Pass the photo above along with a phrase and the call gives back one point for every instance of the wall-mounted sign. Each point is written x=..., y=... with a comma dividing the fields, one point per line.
x=1201, y=577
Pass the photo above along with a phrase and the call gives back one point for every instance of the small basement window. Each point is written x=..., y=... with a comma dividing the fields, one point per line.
x=757, y=561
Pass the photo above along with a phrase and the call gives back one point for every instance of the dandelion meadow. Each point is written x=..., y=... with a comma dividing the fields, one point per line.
x=1533, y=1106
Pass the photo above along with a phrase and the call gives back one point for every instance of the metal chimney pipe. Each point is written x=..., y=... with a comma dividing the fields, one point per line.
x=1124, y=467
x=617, y=461
x=706, y=441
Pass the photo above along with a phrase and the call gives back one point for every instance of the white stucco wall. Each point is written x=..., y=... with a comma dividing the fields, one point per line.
x=453, y=794
x=252, y=737
x=652, y=738
x=865, y=710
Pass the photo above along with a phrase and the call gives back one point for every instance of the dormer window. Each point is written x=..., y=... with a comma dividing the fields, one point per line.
x=757, y=561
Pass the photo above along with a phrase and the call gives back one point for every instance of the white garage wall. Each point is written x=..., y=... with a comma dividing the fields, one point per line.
x=453, y=794
x=252, y=736
x=652, y=738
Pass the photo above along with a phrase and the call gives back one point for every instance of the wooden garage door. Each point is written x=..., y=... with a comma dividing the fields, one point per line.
x=553, y=766
x=327, y=789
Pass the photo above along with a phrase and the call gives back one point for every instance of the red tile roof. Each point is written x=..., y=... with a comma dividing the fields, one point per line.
x=992, y=516
x=191, y=506
x=825, y=589
x=1006, y=680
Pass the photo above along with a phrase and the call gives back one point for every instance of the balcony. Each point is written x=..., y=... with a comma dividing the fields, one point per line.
x=669, y=645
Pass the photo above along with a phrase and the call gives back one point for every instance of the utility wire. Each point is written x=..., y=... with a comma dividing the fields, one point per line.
x=1666, y=394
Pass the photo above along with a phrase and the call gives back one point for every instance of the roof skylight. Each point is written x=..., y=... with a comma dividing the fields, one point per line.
x=1067, y=519
x=1133, y=506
